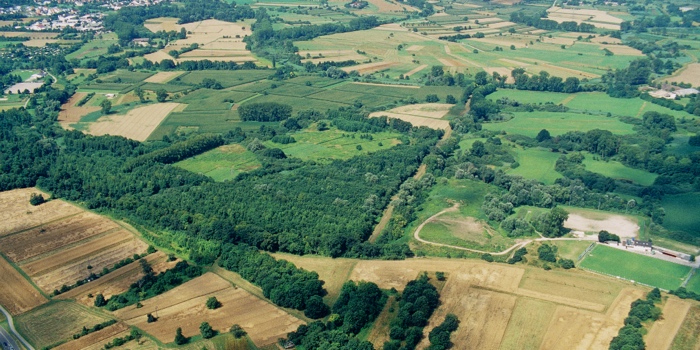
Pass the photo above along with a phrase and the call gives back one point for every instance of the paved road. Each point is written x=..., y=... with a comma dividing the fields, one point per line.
x=5, y=338
x=14, y=330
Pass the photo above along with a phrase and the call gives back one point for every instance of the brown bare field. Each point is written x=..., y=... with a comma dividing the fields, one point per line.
x=40, y=240
x=663, y=331
x=17, y=295
x=137, y=124
x=70, y=273
x=369, y=67
x=92, y=338
x=690, y=74
x=617, y=224
x=388, y=274
x=185, y=307
x=416, y=121
x=162, y=77
x=16, y=214
x=76, y=253
x=70, y=113
x=334, y=272
x=528, y=324
x=117, y=281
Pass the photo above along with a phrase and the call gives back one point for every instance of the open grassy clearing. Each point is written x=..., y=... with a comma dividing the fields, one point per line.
x=678, y=208
x=688, y=336
x=593, y=221
x=222, y=163
x=537, y=164
x=571, y=249
x=56, y=322
x=636, y=267
x=618, y=171
x=16, y=214
x=464, y=231
x=533, y=97
x=694, y=283
x=530, y=123
x=663, y=331
x=602, y=103
x=17, y=295
x=334, y=144
x=185, y=307
x=333, y=272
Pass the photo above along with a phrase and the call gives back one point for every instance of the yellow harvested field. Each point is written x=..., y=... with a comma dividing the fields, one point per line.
x=185, y=307
x=395, y=274
x=158, y=56
x=16, y=214
x=163, y=23
x=572, y=328
x=623, y=50
x=382, y=325
x=427, y=110
x=93, y=338
x=528, y=324
x=52, y=236
x=561, y=300
x=617, y=224
x=576, y=285
x=615, y=317
x=663, y=331
x=416, y=121
x=369, y=67
x=70, y=113
x=416, y=70
x=688, y=336
x=162, y=77
x=72, y=272
x=17, y=295
x=689, y=74
x=137, y=124
x=333, y=272
x=37, y=39
x=117, y=281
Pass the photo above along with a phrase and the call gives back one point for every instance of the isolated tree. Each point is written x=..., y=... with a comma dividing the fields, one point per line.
x=36, y=199
x=150, y=318
x=440, y=276
x=106, y=106
x=179, y=338
x=566, y=263
x=161, y=95
x=543, y=135
x=206, y=330
x=140, y=94
x=213, y=303
x=237, y=331
x=100, y=300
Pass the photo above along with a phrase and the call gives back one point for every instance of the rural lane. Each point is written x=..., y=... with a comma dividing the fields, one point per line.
x=14, y=330
x=521, y=244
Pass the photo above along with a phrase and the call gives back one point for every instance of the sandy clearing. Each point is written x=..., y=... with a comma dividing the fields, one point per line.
x=415, y=70
x=70, y=113
x=137, y=124
x=615, y=317
x=92, y=338
x=43, y=239
x=689, y=74
x=17, y=295
x=17, y=214
x=664, y=330
x=162, y=77
x=414, y=120
x=72, y=272
x=427, y=110
x=370, y=67
x=617, y=224
x=264, y=322
x=78, y=252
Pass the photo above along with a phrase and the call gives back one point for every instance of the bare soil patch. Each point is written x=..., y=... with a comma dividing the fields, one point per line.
x=137, y=124
x=96, y=337
x=16, y=214
x=162, y=77
x=664, y=330
x=185, y=307
x=617, y=224
x=70, y=113
x=17, y=295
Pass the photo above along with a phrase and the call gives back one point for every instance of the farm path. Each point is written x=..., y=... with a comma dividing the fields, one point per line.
x=14, y=330
x=518, y=245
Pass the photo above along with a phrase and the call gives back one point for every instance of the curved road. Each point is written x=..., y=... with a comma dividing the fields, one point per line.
x=4, y=334
x=416, y=235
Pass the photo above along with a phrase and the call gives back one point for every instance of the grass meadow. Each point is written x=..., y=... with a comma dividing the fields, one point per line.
x=222, y=163
x=694, y=283
x=636, y=267
x=682, y=212
x=618, y=171
x=537, y=164
x=530, y=123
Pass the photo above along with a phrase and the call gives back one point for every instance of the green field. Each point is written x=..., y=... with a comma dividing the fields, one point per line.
x=453, y=232
x=682, y=212
x=618, y=171
x=333, y=144
x=533, y=97
x=571, y=249
x=636, y=267
x=537, y=164
x=530, y=123
x=694, y=283
x=222, y=163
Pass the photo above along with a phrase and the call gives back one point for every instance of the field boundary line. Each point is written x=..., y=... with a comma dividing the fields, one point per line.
x=24, y=275
x=43, y=224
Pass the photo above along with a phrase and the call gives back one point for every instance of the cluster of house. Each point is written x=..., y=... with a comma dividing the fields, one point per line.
x=37, y=10
x=89, y=22
x=633, y=242
x=672, y=92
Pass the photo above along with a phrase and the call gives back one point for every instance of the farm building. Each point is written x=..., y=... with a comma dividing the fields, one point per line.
x=637, y=243
x=673, y=253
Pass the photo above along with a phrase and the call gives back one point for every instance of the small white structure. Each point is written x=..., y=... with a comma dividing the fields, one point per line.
x=686, y=92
